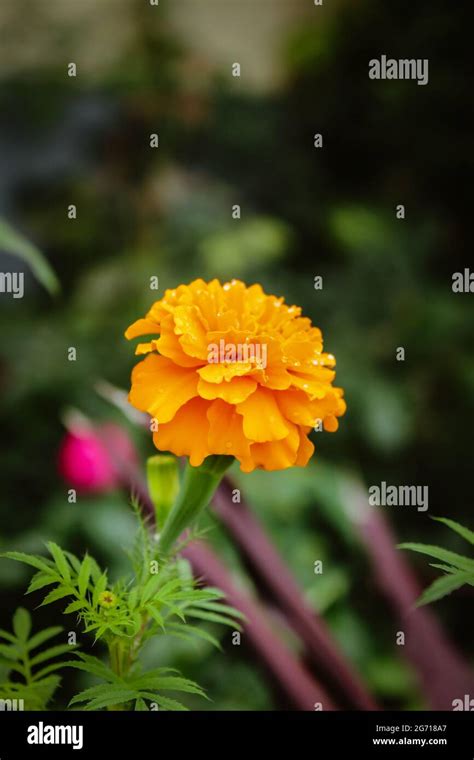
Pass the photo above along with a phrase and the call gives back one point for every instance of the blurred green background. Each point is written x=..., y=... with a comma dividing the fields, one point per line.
x=166, y=212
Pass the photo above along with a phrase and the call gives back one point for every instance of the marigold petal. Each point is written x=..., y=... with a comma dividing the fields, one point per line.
x=187, y=433
x=234, y=295
x=218, y=373
x=263, y=420
x=275, y=374
x=142, y=327
x=330, y=423
x=315, y=389
x=144, y=348
x=234, y=391
x=277, y=455
x=160, y=387
x=226, y=435
x=168, y=345
x=295, y=407
x=305, y=450
x=331, y=405
x=208, y=300
x=191, y=330
x=302, y=352
x=255, y=300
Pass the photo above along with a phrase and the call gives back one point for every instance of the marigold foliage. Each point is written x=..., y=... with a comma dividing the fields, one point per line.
x=458, y=570
x=159, y=597
x=28, y=672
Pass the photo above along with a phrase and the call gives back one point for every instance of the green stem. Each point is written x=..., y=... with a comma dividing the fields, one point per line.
x=116, y=663
x=196, y=492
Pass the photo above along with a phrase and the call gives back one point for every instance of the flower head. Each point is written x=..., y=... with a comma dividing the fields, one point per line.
x=107, y=599
x=232, y=370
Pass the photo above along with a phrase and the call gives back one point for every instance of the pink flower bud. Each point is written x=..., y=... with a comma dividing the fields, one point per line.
x=96, y=459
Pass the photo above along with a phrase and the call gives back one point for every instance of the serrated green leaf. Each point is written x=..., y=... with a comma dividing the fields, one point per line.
x=56, y=594
x=94, y=691
x=75, y=606
x=151, y=588
x=133, y=598
x=467, y=534
x=91, y=627
x=222, y=609
x=118, y=697
x=463, y=563
x=135, y=682
x=60, y=560
x=96, y=572
x=188, y=631
x=155, y=615
x=444, y=568
x=173, y=609
x=48, y=654
x=216, y=592
x=117, y=630
x=84, y=575
x=42, y=636
x=193, y=596
x=136, y=623
x=101, y=630
x=40, y=580
x=94, y=666
x=172, y=683
x=168, y=589
x=74, y=561
x=443, y=586
x=28, y=559
x=212, y=617
x=48, y=669
x=100, y=586
x=166, y=702
x=140, y=706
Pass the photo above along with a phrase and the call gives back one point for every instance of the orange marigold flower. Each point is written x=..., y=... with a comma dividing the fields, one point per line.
x=232, y=370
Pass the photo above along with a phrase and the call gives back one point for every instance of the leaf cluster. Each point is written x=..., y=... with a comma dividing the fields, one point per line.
x=159, y=597
x=30, y=669
x=458, y=570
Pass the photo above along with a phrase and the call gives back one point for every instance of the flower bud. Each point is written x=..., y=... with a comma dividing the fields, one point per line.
x=163, y=485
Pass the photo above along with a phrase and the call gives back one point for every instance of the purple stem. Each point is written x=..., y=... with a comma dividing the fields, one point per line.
x=442, y=672
x=297, y=683
x=271, y=570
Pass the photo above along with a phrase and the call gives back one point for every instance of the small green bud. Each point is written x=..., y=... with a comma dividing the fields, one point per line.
x=107, y=599
x=163, y=485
